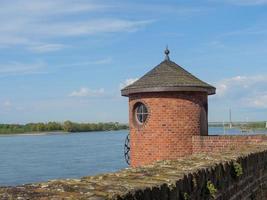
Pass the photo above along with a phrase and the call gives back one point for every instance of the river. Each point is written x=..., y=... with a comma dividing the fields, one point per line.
x=36, y=158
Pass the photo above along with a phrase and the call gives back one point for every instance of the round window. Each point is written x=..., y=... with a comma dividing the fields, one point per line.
x=141, y=113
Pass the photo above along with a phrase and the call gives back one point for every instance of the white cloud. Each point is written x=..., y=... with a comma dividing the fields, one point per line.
x=10, y=40
x=217, y=44
x=250, y=31
x=163, y=8
x=128, y=82
x=88, y=27
x=20, y=68
x=49, y=7
x=248, y=2
x=7, y=104
x=42, y=48
x=239, y=82
x=102, y=61
x=32, y=22
x=258, y=101
x=242, y=91
x=107, y=60
x=29, y=23
x=87, y=92
x=17, y=68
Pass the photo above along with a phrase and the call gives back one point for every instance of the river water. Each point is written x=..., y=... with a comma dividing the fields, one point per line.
x=36, y=158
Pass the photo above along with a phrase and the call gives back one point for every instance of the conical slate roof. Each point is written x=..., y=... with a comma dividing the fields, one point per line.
x=168, y=76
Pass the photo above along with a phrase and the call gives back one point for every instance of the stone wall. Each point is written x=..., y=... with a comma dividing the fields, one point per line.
x=242, y=179
x=172, y=121
x=227, y=175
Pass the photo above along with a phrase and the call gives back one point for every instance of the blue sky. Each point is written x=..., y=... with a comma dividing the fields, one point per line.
x=67, y=60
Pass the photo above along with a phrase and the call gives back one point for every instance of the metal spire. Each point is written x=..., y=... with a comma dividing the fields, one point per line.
x=167, y=52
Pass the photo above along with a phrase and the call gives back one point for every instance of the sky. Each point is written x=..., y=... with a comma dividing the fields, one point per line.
x=67, y=60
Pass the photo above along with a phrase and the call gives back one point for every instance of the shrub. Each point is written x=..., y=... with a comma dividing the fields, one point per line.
x=212, y=189
x=186, y=196
x=238, y=169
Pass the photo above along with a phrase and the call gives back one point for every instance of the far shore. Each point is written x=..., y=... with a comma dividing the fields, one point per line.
x=58, y=128
x=51, y=133
x=33, y=133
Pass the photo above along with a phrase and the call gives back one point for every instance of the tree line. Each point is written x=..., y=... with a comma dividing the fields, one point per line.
x=67, y=126
x=246, y=125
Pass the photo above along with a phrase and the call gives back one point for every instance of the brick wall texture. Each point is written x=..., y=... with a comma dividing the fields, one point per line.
x=172, y=121
x=208, y=144
x=176, y=127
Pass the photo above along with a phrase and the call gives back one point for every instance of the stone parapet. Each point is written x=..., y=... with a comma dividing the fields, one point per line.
x=229, y=174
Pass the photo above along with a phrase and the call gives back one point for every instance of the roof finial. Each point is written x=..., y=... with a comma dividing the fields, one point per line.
x=167, y=52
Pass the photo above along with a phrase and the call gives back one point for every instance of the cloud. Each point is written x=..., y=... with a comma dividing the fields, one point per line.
x=36, y=24
x=102, y=61
x=17, y=68
x=243, y=91
x=107, y=60
x=87, y=92
x=251, y=31
x=50, y=7
x=32, y=22
x=164, y=8
x=258, y=101
x=240, y=82
x=92, y=27
x=43, y=48
x=88, y=27
x=128, y=82
x=244, y=38
x=248, y=2
x=7, y=104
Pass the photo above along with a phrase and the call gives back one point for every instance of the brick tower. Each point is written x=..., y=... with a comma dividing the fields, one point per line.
x=167, y=106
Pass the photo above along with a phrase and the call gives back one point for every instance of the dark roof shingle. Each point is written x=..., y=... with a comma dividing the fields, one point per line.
x=168, y=76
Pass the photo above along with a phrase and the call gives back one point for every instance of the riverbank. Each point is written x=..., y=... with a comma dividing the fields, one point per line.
x=34, y=133
x=260, y=125
x=213, y=130
x=53, y=133
x=67, y=126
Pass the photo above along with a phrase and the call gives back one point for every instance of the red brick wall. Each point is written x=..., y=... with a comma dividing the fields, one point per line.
x=207, y=144
x=167, y=134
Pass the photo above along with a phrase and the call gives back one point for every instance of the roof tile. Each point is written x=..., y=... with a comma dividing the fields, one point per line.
x=168, y=76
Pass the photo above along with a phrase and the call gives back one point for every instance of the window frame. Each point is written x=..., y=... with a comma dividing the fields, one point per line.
x=141, y=113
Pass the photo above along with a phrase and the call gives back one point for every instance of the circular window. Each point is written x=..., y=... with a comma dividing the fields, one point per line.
x=141, y=113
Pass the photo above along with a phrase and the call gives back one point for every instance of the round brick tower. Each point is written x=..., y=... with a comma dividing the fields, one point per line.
x=167, y=106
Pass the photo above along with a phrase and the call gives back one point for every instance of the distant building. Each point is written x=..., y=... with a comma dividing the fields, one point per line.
x=167, y=106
